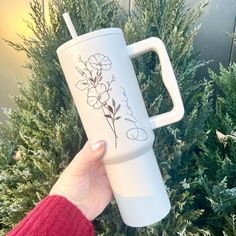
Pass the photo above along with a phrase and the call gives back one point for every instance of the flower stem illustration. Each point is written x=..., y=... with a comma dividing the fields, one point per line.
x=112, y=110
x=98, y=91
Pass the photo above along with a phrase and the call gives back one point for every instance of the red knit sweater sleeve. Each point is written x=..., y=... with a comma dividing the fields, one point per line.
x=54, y=216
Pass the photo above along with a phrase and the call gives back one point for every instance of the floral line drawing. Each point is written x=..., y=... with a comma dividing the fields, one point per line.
x=134, y=133
x=98, y=96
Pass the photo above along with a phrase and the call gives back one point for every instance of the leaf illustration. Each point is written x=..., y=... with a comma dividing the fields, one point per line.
x=117, y=118
x=82, y=84
x=113, y=103
x=117, y=109
x=80, y=71
x=129, y=120
x=108, y=116
x=95, y=79
x=110, y=108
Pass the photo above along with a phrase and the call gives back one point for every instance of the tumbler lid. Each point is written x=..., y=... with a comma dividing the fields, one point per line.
x=139, y=190
x=88, y=36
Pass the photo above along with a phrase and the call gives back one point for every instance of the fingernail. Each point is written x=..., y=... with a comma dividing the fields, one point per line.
x=97, y=145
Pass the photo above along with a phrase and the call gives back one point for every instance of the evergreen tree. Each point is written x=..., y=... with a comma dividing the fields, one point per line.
x=216, y=183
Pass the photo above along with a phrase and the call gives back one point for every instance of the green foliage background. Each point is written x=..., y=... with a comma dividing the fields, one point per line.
x=45, y=132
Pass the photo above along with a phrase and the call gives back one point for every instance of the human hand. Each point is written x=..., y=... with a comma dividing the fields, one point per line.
x=84, y=182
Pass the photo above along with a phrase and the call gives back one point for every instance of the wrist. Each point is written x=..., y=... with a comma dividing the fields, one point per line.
x=82, y=207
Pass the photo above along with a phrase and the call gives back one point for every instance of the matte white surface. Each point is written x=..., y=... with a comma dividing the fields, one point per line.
x=129, y=161
x=139, y=190
x=168, y=77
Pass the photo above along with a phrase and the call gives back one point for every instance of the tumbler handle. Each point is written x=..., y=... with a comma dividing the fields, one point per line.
x=168, y=77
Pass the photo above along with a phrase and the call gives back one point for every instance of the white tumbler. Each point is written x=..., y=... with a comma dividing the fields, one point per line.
x=102, y=81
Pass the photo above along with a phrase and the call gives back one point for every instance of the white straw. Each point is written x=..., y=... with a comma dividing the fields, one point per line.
x=70, y=25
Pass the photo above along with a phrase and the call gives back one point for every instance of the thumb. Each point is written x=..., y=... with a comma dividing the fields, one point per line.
x=91, y=152
x=86, y=157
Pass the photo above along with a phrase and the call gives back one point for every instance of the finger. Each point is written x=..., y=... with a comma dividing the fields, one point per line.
x=92, y=152
x=87, y=156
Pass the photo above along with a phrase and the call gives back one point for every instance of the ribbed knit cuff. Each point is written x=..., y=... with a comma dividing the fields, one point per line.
x=54, y=216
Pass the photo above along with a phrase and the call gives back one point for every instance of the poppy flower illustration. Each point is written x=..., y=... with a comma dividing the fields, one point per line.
x=98, y=96
x=92, y=72
x=100, y=62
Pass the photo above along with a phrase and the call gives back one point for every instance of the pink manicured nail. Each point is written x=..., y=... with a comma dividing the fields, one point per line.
x=97, y=145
